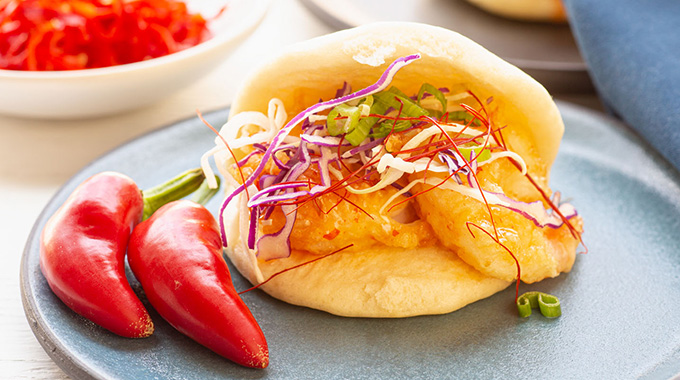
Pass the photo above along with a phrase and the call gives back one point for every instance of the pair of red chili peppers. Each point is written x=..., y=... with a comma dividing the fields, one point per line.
x=176, y=255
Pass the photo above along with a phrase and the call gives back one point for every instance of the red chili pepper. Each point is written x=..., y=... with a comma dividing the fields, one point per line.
x=177, y=257
x=82, y=253
x=83, y=247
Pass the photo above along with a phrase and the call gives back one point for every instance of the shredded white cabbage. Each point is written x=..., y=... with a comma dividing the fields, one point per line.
x=512, y=155
x=452, y=100
x=419, y=165
x=435, y=130
x=268, y=125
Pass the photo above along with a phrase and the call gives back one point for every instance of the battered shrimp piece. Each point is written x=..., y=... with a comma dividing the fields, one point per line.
x=355, y=220
x=541, y=252
x=338, y=219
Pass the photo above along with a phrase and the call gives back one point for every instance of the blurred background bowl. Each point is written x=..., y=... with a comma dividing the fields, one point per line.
x=78, y=94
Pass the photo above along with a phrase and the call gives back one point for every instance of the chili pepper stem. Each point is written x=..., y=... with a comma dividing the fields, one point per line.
x=172, y=190
x=204, y=192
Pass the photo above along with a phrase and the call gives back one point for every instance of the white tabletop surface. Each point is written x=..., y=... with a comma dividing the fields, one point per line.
x=37, y=157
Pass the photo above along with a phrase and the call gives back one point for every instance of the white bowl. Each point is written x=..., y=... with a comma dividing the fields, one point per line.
x=104, y=91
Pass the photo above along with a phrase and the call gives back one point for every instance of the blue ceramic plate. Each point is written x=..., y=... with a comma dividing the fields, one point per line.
x=620, y=302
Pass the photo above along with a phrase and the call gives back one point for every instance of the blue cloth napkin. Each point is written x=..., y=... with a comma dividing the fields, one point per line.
x=632, y=48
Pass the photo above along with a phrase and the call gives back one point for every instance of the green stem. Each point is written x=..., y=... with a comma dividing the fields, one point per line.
x=205, y=193
x=172, y=190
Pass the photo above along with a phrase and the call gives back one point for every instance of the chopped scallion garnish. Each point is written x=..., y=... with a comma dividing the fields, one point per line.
x=548, y=304
x=384, y=101
x=463, y=116
x=336, y=125
x=434, y=91
x=481, y=153
x=393, y=98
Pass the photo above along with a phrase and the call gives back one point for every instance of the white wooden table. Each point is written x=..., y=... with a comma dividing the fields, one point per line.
x=37, y=157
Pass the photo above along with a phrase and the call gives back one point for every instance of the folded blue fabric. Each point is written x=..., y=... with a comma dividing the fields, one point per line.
x=632, y=48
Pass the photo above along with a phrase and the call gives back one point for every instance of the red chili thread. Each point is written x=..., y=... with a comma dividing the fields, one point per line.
x=340, y=199
x=342, y=138
x=243, y=178
x=500, y=141
x=474, y=175
x=294, y=267
x=519, y=268
x=479, y=101
x=304, y=199
x=476, y=114
x=555, y=209
x=422, y=191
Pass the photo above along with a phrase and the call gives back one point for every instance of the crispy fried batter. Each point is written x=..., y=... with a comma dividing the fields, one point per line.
x=541, y=252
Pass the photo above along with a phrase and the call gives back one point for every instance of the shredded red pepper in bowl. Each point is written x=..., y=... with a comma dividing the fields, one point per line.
x=52, y=35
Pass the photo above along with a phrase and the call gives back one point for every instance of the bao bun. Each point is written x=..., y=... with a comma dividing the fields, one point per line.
x=388, y=282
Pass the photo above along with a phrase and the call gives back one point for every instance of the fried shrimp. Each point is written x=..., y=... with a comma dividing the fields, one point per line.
x=541, y=252
x=354, y=220
x=339, y=218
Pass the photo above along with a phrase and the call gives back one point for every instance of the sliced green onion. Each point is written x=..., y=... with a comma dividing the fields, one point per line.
x=339, y=126
x=381, y=102
x=434, y=91
x=393, y=99
x=363, y=128
x=481, y=153
x=367, y=100
x=386, y=127
x=548, y=304
x=397, y=92
x=463, y=116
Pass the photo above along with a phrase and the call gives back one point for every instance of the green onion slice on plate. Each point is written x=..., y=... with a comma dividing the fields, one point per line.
x=548, y=304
